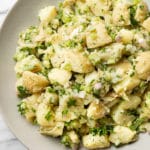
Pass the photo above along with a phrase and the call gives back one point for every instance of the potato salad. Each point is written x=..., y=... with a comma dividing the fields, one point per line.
x=83, y=73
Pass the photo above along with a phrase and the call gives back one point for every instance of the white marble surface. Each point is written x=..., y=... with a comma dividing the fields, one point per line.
x=7, y=139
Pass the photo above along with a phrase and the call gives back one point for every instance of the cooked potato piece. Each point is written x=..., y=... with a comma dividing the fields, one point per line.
x=34, y=83
x=143, y=65
x=146, y=24
x=30, y=105
x=47, y=14
x=51, y=98
x=110, y=55
x=30, y=63
x=125, y=36
x=68, y=2
x=91, y=77
x=68, y=114
x=122, y=68
x=145, y=109
x=121, y=13
x=69, y=109
x=99, y=7
x=127, y=85
x=73, y=137
x=95, y=141
x=77, y=61
x=132, y=102
x=122, y=135
x=111, y=99
x=60, y=76
x=145, y=127
x=45, y=115
x=141, y=39
x=121, y=118
x=119, y=113
x=141, y=12
x=96, y=110
x=97, y=35
x=54, y=131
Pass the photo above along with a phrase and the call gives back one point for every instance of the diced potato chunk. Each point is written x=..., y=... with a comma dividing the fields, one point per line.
x=122, y=135
x=31, y=105
x=132, y=102
x=143, y=65
x=34, y=83
x=122, y=68
x=127, y=85
x=121, y=13
x=99, y=7
x=45, y=115
x=54, y=131
x=141, y=39
x=119, y=113
x=74, y=137
x=96, y=110
x=146, y=24
x=60, y=76
x=89, y=78
x=97, y=35
x=77, y=61
x=111, y=54
x=145, y=110
x=30, y=63
x=95, y=141
x=145, y=127
x=47, y=14
x=68, y=2
x=125, y=36
x=141, y=12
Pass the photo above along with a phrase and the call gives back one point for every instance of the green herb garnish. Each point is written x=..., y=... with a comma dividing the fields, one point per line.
x=103, y=130
x=71, y=102
x=48, y=116
x=23, y=92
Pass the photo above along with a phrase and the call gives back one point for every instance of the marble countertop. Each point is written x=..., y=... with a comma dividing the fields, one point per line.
x=7, y=139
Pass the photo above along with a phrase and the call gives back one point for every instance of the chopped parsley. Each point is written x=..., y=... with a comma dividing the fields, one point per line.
x=70, y=44
x=66, y=141
x=136, y=124
x=132, y=16
x=23, y=92
x=103, y=130
x=132, y=112
x=77, y=87
x=22, y=108
x=65, y=112
x=71, y=102
x=48, y=116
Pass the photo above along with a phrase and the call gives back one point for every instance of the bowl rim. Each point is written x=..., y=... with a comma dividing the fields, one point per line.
x=8, y=124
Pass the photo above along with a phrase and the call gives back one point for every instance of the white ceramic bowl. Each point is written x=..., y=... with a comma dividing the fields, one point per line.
x=22, y=15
